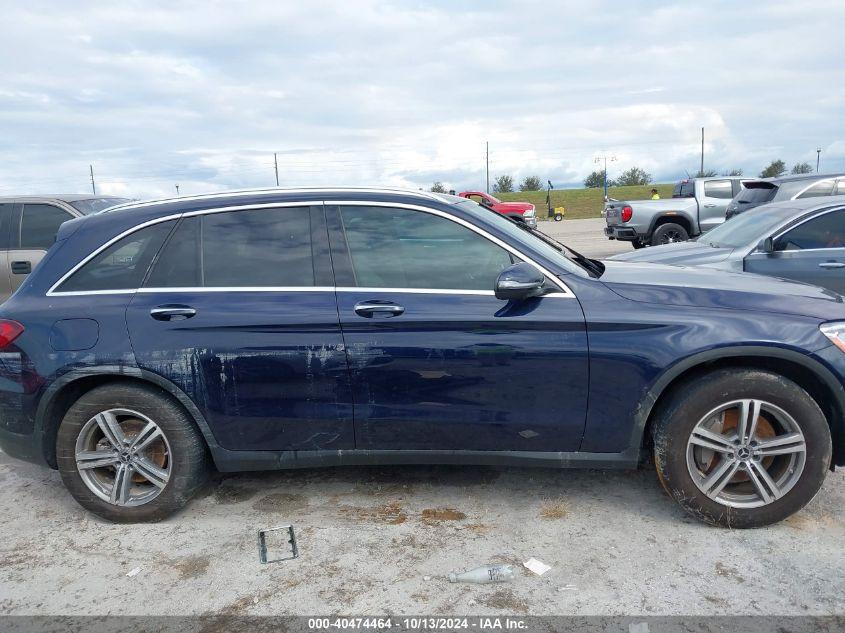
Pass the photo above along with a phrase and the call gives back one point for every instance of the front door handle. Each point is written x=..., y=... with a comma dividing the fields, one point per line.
x=378, y=309
x=831, y=265
x=174, y=312
x=709, y=206
x=21, y=268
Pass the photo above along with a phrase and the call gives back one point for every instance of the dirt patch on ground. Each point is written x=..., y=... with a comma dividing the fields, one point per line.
x=554, y=510
x=227, y=495
x=280, y=502
x=729, y=572
x=438, y=515
x=504, y=600
x=191, y=567
x=391, y=513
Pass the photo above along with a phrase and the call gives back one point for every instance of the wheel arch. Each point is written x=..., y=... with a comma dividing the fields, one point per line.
x=67, y=389
x=806, y=372
x=676, y=217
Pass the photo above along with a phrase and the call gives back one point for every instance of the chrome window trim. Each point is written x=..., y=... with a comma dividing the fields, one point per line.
x=564, y=291
x=813, y=184
x=271, y=190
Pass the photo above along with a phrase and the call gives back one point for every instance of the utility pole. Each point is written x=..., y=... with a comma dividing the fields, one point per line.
x=488, y=166
x=701, y=170
x=599, y=160
x=177, y=190
x=93, y=186
x=818, y=156
x=276, y=164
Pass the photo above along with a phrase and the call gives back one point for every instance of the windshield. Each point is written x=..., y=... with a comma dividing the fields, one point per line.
x=748, y=228
x=518, y=237
x=95, y=205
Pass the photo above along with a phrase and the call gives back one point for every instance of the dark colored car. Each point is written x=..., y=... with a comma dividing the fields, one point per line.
x=763, y=191
x=802, y=240
x=28, y=226
x=286, y=329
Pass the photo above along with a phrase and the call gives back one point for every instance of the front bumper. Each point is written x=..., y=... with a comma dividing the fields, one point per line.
x=531, y=221
x=624, y=233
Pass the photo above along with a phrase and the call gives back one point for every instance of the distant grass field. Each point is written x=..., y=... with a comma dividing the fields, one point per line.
x=584, y=203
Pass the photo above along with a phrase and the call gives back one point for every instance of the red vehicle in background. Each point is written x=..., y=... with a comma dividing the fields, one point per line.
x=523, y=210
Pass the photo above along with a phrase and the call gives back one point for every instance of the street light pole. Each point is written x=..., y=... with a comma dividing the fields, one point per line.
x=600, y=159
x=818, y=156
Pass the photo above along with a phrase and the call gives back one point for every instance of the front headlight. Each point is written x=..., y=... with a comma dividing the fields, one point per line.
x=530, y=212
x=835, y=331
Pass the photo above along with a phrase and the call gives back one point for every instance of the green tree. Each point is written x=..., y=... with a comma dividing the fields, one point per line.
x=802, y=168
x=707, y=173
x=732, y=172
x=633, y=176
x=776, y=168
x=503, y=184
x=531, y=183
x=596, y=180
x=438, y=187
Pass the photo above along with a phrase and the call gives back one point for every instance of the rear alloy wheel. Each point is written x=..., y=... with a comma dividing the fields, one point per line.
x=669, y=233
x=130, y=453
x=756, y=457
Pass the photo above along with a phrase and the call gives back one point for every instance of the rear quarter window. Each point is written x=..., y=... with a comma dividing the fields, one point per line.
x=757, y=193
x=122, y=265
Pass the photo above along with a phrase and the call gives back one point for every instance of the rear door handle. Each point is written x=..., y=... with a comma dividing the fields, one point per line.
x=831, y=265
x=378, y=309
x=173, y=312
x=709, y=206
x=21, y=268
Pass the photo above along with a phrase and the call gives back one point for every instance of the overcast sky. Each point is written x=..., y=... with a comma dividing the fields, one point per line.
x=404, y=93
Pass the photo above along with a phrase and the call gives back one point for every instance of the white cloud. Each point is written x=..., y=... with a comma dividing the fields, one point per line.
x=384, y=92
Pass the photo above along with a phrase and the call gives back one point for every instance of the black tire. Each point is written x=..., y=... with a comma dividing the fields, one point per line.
x=188, y=460
x=558, y=217
x=689, y=404
x=668, y=233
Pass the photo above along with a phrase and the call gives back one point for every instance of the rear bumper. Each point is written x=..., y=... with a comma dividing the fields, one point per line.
x=624, y=233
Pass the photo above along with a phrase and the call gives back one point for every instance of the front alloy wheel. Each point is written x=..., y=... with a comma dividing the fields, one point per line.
x=746, y=453
x=741, y=447
x=123, y=457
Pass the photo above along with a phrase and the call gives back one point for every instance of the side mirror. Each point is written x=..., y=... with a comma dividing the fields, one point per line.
x=519, y=281
x=767, y=245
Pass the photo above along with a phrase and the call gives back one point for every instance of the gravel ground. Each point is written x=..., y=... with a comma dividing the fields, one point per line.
x=382, y=539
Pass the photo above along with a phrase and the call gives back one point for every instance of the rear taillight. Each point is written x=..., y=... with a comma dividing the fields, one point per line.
x=9, y=331
x=627, y=213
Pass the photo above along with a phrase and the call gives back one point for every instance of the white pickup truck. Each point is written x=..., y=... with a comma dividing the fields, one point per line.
x=696, y=206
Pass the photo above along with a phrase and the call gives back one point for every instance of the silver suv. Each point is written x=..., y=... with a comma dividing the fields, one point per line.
x=28, y=226
x=764, y=191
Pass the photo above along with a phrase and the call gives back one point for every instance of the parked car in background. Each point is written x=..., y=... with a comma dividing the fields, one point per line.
x=28, y=226
x=765, y=190
x=803, y=240
x=285, y=329
x=524, y=211
x=696, y=206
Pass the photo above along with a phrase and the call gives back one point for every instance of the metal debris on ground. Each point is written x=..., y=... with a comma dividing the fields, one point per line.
x=537, y=566
x=484, y=575
x=287, y=536
x=133, y=572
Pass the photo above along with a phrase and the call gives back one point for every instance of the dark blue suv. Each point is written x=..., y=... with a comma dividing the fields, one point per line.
x=286, y=329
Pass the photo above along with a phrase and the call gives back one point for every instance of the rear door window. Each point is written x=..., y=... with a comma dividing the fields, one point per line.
x=821, y=188
x=718, y=189
x=122, y=265
x=684, y=189
x=824, y=231
x=237, y=249
x=39, y=225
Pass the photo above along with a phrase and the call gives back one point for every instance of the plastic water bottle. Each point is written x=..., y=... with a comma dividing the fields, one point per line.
x=484, y=575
